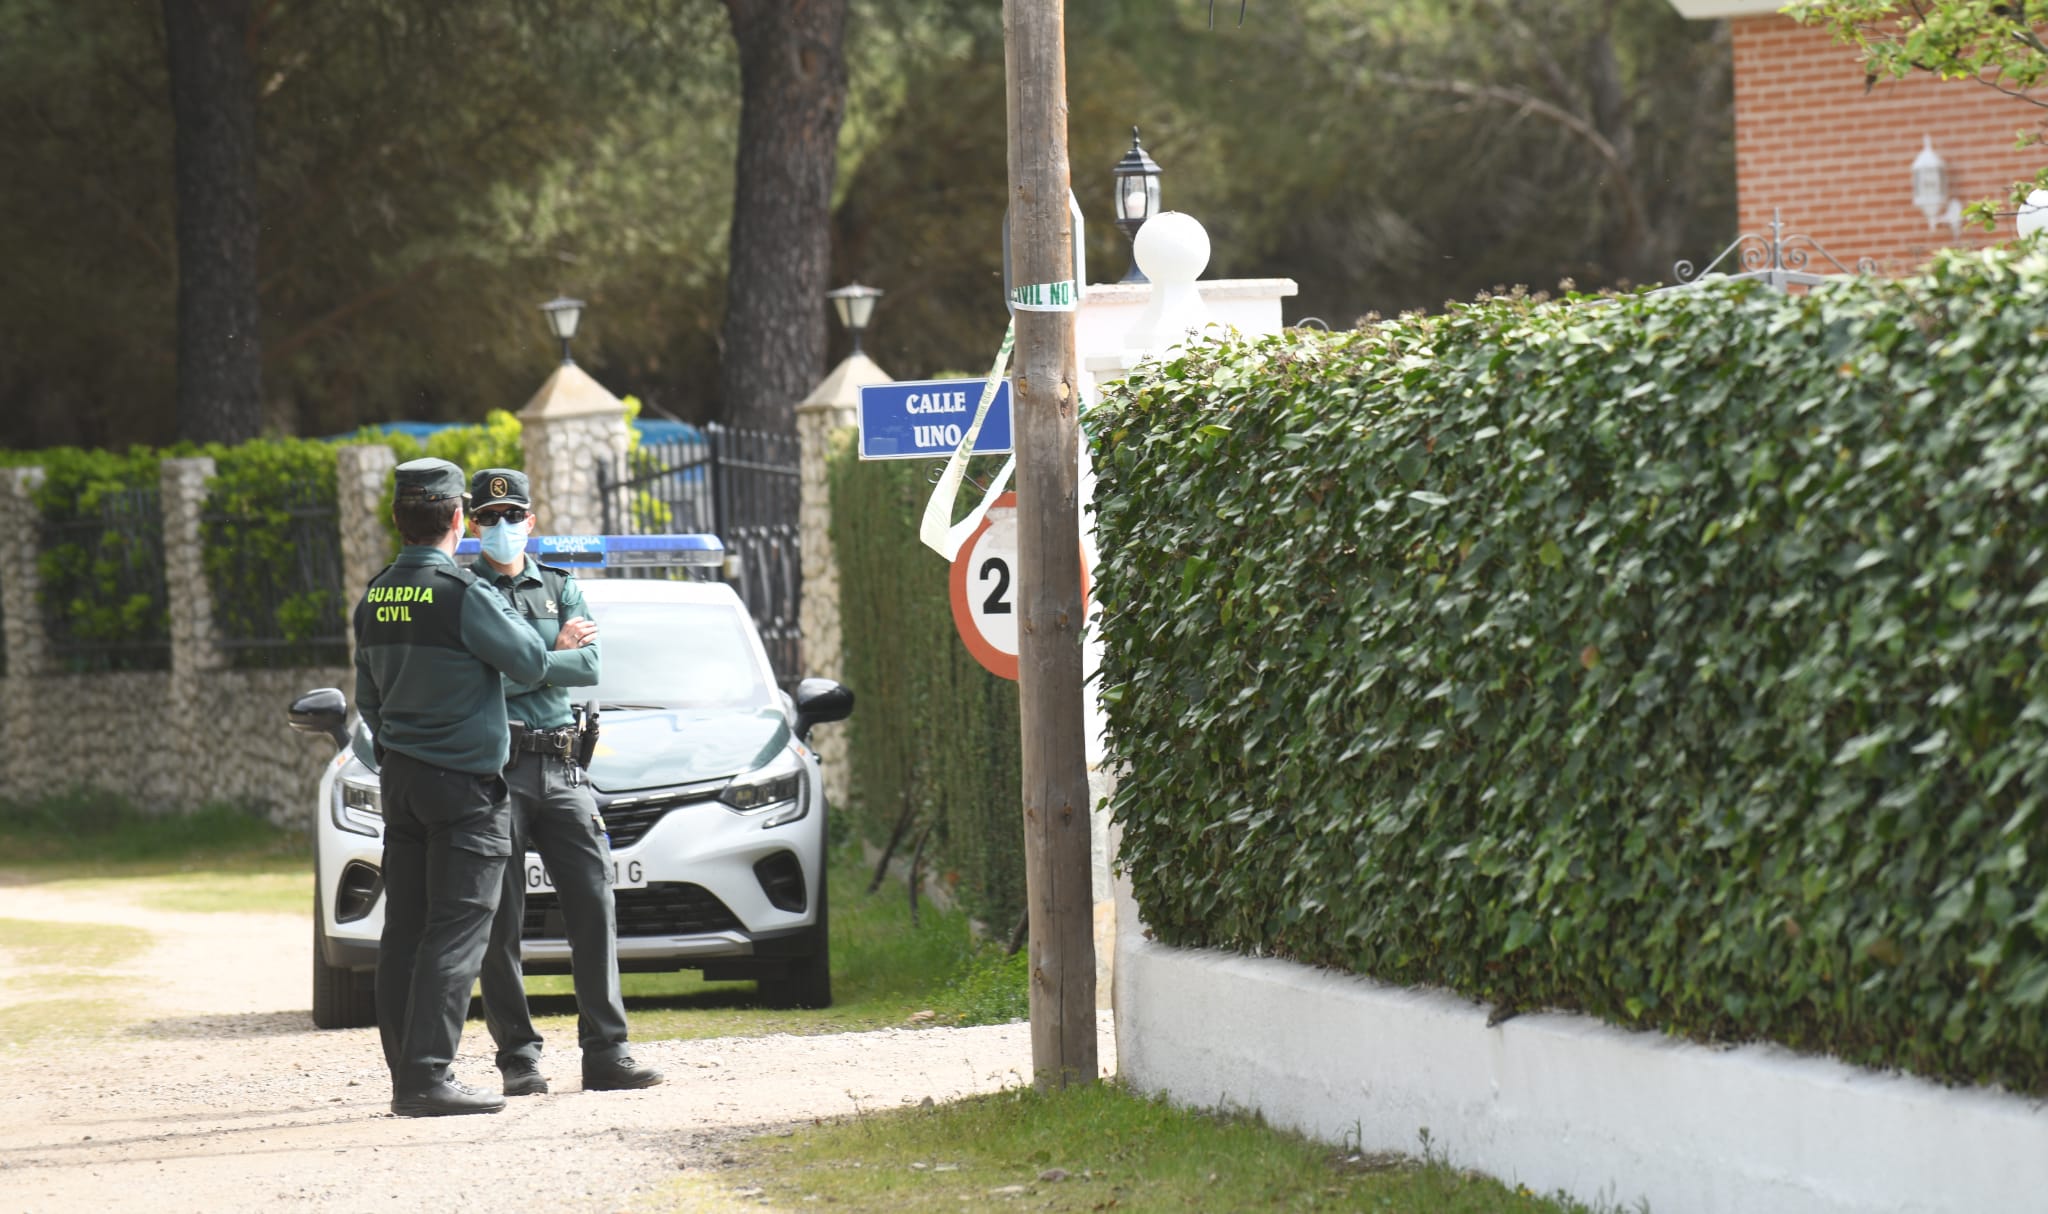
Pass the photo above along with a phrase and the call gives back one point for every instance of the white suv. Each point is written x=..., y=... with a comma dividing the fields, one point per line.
x=715, y=807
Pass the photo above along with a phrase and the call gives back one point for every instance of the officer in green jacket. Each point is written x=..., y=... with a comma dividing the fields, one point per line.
x=434, y=647
x=553, y=811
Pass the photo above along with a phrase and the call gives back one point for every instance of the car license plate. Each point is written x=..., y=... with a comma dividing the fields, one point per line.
x=626, y=874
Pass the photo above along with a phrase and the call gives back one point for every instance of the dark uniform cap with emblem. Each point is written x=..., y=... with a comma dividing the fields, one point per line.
x=428, y=480
x=497, y=487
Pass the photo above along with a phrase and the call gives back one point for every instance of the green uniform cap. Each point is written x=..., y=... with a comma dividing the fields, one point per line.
x=498, y=486
x=428, y=480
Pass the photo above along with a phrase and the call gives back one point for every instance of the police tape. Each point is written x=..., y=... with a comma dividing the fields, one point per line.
x=936, y=530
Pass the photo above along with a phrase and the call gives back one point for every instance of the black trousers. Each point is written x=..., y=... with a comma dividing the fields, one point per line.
x=556, y=818
x=447, y=840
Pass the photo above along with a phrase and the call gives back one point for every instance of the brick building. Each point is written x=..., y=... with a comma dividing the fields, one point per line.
x=1837, y=159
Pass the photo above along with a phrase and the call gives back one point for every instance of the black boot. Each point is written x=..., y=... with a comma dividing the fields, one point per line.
x=446, y=1099
x=618, y=1074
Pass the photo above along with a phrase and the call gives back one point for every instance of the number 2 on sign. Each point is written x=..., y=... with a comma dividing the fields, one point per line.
x=997, y=602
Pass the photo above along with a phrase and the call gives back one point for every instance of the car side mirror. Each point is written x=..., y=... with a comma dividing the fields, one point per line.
x=323, y=710
x=819, y=701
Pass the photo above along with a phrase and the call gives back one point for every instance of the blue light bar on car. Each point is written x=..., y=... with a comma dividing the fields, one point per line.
x=617, y=551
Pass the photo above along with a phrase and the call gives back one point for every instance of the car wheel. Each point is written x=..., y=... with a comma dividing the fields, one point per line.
x=342, y=998
x=808, y=981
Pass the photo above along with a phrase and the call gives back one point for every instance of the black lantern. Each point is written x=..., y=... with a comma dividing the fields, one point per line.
x=854, y=303
x=563, y=313
x=1137, y=196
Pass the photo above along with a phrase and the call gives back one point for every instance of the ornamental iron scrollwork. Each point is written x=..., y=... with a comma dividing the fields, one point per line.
x=1778, y=261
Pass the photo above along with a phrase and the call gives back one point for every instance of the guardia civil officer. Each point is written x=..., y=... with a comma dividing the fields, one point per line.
x=433, y=648
x=553, y=812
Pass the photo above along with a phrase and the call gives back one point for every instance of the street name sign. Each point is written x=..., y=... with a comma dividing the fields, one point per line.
x=927, y=419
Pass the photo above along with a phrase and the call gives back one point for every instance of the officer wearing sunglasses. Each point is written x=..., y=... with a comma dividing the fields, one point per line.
x=553, y=811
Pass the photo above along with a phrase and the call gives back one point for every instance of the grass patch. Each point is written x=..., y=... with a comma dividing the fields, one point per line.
x=39, y=1021
x=57, y=982
x=37, y=945
x=884, y=972
x=1099, y=1148
x=84, y=833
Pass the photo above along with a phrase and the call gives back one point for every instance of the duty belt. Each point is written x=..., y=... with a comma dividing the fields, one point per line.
x=557, y=742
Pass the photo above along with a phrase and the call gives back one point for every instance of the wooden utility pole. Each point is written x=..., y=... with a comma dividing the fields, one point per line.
x=1057, y=874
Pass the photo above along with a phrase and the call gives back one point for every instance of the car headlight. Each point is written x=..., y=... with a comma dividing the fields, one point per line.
x=359, y=804
x=774, y=792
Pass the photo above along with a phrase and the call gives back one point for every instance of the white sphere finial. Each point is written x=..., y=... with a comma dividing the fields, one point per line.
x=1172, y=248
x=2033, y=214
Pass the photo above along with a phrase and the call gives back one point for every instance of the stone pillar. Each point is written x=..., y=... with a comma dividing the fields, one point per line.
x=831, y=407
x=196, y=656
x=569, y=427
x=28, y=648
x=362, y=476
x=189, y=599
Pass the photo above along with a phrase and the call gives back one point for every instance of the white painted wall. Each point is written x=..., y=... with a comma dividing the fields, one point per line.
x=1558, y=1101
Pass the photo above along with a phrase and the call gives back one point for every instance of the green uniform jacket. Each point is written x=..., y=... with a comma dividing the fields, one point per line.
x=433, y=649
x=545, y=596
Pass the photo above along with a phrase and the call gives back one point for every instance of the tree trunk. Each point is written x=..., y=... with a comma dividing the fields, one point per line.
x=792, y=97
x=220, y=370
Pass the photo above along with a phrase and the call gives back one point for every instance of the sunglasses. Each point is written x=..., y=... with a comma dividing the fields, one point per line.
x=491, y=518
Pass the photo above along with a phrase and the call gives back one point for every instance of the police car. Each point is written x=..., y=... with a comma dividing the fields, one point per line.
x=714, y=803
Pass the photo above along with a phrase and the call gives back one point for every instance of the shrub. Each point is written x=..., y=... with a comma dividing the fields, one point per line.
x=934, y=743
x=271, y=545
x=1678, y=659
x=101, y=560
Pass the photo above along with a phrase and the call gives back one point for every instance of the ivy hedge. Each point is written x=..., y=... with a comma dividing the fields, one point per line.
x=934, y=745
x=1675, y=658
x=270, y=540
x=100, y=561
x=271, y=546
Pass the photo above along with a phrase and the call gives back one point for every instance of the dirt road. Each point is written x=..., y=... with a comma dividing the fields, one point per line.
x=206, y=1088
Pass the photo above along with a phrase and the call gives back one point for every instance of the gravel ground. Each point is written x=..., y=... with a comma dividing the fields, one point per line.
x=217, y=1094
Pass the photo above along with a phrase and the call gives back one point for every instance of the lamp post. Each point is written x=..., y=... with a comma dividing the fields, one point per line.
x=1137, y=196
x=563, y=313
x=855, y=304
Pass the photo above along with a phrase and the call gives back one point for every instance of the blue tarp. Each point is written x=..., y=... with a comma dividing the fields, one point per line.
x=650, y=429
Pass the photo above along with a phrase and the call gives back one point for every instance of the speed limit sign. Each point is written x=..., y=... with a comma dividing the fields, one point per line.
x=984, y=589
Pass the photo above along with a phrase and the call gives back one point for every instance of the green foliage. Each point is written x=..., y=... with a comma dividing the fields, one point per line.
x=494, y=443
x=585, y=148
x=935, y=742
x=101, y=559
x=1678, y=659
x=101, y=829
x=994, y=989
x=1096, y=1147
x=1994, y=42
x=271, y=547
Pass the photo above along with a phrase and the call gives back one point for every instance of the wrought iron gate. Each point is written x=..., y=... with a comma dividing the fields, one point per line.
x=740, y=485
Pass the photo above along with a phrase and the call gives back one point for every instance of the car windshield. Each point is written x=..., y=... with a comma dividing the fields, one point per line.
x=677, y=655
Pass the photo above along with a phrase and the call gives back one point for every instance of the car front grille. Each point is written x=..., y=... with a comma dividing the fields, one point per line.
x=664, y=908
x=628, y=819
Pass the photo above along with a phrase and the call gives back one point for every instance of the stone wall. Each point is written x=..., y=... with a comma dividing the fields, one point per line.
x=200, y=733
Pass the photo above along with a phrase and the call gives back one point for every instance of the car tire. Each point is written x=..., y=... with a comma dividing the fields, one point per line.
x=808, y=981
x=342, y=998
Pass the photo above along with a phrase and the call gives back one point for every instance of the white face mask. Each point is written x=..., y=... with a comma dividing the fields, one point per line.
x=504, y=542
